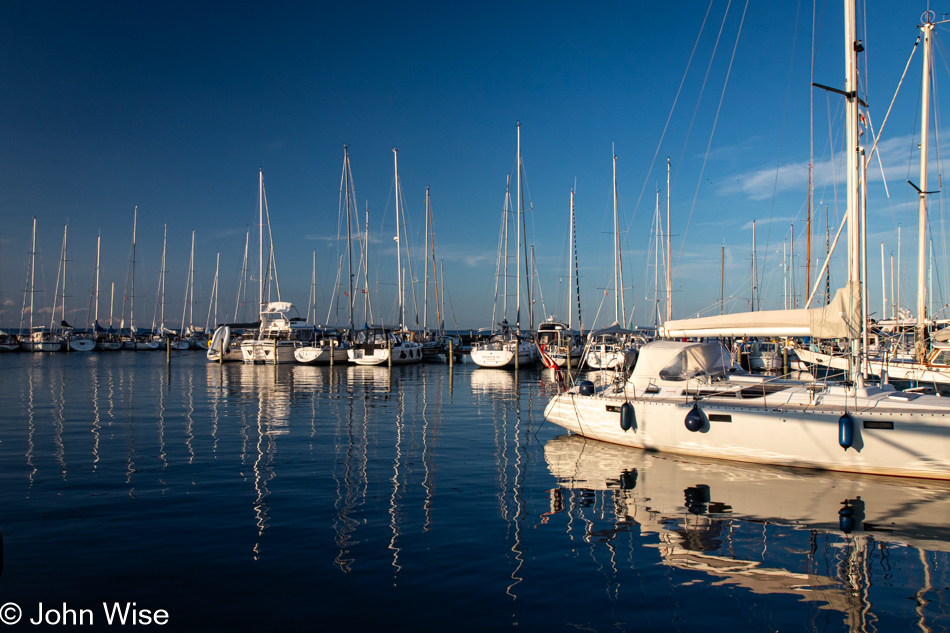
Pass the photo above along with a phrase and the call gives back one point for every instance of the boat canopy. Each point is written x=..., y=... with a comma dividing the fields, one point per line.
x=675, y=360
x=838, y=319
x=278, y=306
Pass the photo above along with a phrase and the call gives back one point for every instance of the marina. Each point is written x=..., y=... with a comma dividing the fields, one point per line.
x=438, y=494
x=466, y=428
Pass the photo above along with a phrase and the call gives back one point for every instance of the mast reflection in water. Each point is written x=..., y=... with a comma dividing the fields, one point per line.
x=422, y=498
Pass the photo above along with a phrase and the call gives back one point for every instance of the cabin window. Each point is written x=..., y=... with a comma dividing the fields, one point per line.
x=942, y=358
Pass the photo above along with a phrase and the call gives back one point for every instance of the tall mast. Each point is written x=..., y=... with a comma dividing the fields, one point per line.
x=669, y=253
x=577, y=281
x=260, y=242
x=402, y=307
x=852, y=46
x=919, y=347
x=425, y=285
x=347, y=178
x=656, y=264
x=98, y=244
x=32, y=274
x=617, y=289
x=570, y=266
x=518, y=235
x=135, y=219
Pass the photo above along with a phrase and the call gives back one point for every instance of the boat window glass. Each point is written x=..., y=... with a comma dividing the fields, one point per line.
x=943, y=358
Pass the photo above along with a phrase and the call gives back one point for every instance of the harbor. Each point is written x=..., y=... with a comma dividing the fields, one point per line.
x=352, y=330
x=440, y=495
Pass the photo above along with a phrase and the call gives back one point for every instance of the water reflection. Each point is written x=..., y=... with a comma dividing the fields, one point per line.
x=740, y=525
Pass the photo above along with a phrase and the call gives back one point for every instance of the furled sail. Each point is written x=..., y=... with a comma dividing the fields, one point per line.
x=838, y=319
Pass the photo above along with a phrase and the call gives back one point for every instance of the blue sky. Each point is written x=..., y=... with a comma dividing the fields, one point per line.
x=174, y=107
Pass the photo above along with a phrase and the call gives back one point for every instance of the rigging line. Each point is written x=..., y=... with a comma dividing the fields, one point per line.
x=781, y=142
x=673, y=107
x=711, y=134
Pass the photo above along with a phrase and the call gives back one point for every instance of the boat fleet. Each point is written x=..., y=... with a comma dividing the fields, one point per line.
x=676, y=388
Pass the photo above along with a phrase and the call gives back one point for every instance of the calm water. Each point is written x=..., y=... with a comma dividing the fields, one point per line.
x=421, y=499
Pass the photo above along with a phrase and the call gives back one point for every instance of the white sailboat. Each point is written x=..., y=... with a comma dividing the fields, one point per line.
x=559, y=344
x=508, y=347
x=614, y=347
x=378, y=345
x=38, y=339
x=684, y=397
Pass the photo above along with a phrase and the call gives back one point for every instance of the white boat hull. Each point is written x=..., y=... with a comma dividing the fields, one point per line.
x=82, y=345
x=320, y=355
x=499, y=358
x=794, y=427
x=401, y=355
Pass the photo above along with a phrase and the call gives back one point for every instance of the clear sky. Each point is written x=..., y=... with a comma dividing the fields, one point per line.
x=174, y=107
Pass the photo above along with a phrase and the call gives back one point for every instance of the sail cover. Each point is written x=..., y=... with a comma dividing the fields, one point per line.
x=838, y=319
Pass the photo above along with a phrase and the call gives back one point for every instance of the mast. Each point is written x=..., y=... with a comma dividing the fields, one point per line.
x=570, y=262
x=260, y=242
x=919, y=345
x=425, y=285
x=32, y=274
x=656, y=264
x=442, y=296
x=852, y=46
x=520, y=202
x=111, y=305
x=347, y=178
x=669, y=252
x=402, y=307
x=617, y=291
x=577, y=279
x=98, y=244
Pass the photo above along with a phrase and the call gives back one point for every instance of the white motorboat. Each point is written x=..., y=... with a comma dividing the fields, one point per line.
x=278, y=336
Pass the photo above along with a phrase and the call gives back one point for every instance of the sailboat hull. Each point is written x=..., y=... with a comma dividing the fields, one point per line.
x=893, y=433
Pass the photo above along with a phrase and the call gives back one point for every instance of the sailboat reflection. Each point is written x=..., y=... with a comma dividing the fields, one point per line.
x=719, y=519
